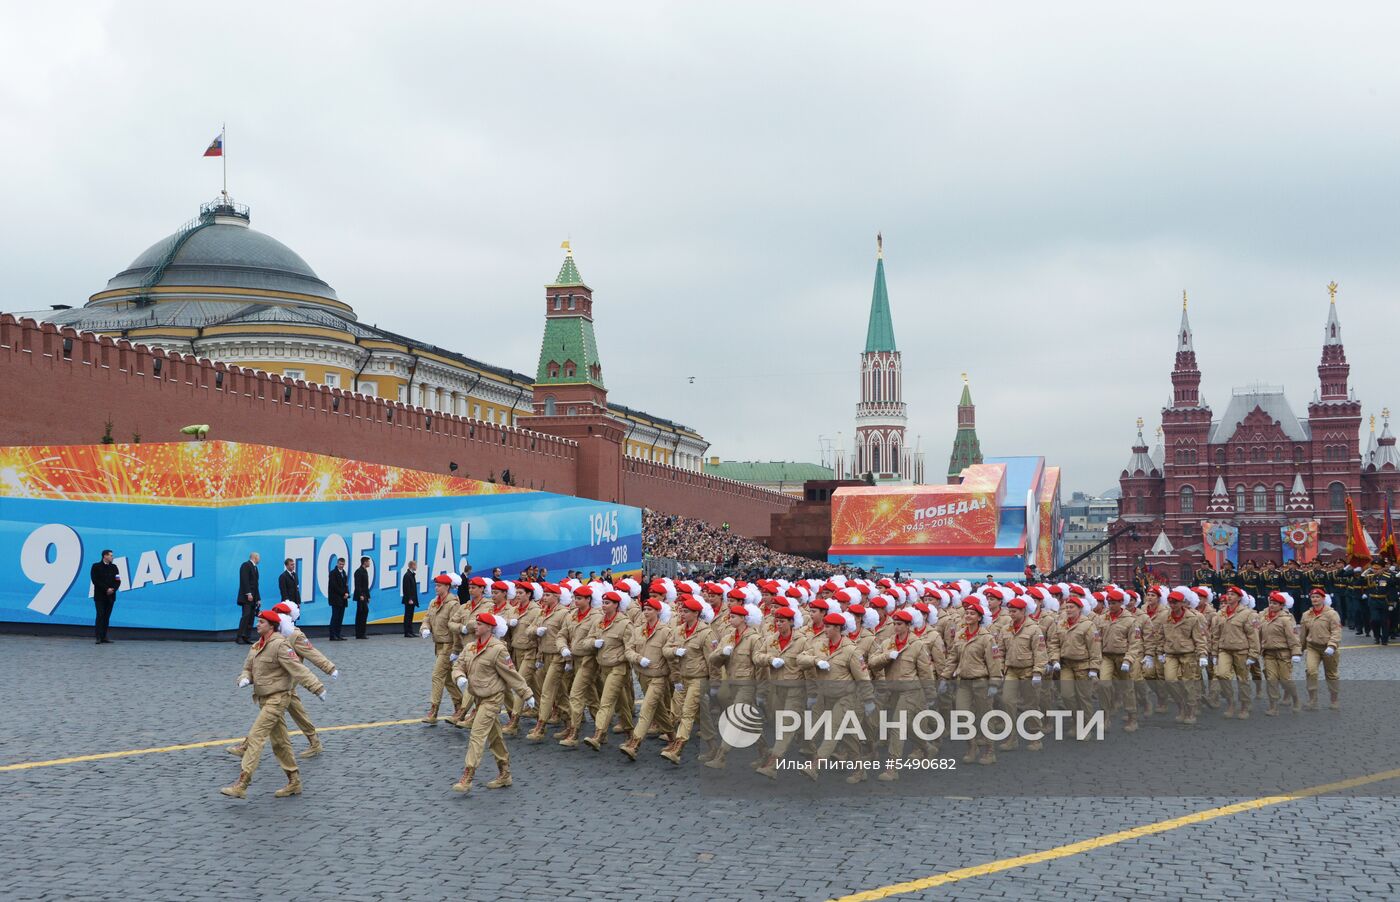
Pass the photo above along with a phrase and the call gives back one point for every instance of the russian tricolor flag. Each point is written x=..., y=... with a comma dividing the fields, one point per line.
x=215, y=148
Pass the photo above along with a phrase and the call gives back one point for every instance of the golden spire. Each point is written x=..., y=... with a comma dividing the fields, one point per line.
x=1385, y=414
x=964, y=375
x=879, y=246
x=1183, y=299
x=1140, y=424
x=568, y=251
x=1332, y=290
x=1373, y=422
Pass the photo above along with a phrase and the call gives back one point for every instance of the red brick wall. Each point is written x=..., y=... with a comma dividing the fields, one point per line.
x=746, y=508
x=47, y=398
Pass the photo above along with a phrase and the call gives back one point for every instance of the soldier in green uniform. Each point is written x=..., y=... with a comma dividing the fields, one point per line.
x=1354, y=580
x=1269, y=581
x=1379, y=592
x=1206, y=576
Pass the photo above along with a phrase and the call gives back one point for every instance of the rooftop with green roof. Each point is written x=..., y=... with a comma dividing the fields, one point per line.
x=768, y=472
x=879, y=335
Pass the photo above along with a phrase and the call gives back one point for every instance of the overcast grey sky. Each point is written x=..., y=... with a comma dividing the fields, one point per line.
x=1048, y=178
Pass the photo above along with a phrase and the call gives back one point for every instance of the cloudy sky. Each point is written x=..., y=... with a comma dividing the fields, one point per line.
x=1048, y=178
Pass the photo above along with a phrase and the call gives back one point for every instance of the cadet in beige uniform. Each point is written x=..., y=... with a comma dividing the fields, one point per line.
x=778, y=652
x=1151, y=691
x=611, y=637
x=838, y=672
x=1235, y=647
x=436, y=628
x=1120, y=637
x=1321, y=631
x=290, y=611
x=272, y=668
x=686, y=649
x=976, y=662
x=484, y=672
x=647, y=654
x=548, y=630
x=577, y=673
x=732, y=662
x=905, y=671
x=1279, y=644
x=1076, y=654
x=1027, y=657
x=524, y=647
x=1184, y=643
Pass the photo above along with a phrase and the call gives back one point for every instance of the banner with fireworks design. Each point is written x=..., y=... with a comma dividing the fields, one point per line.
x=1000, y=517
x=182, y=517
x=1299, y=541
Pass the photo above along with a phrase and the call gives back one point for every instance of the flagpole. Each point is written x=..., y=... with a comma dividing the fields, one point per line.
x=223, y=143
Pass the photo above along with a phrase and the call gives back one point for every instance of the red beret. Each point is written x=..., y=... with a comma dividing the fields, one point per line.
x=550, y=588
x=1236, y=589
x=1115, y=595
x=657, y=587
x=972, y=603
x=585, y=591
x=487, y=618
x=654, y=603
x=902, y=615
x=613, y=596
x=1319, y=591
x=1056, y=590
x=789, y=613
x=480, y=581
x=442, y=579
x=737, y=593
x=500, y=585
x=1281, y=599
x=1176, y=596
x=921, y=607
x=271, y=617
x=690, y=603
x=857, y=609
x=739, y=610
x=1017, y=603
x=1075, y=599
x=834, y=620
x=880, y=601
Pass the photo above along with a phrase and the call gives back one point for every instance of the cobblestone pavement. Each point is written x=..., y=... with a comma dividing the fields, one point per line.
x=378, y=820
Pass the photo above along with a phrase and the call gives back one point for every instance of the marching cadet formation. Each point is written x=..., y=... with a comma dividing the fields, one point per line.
x=659, y=660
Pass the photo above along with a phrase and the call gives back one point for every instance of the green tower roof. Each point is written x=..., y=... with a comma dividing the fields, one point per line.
x=568, y=272
x=879, y=335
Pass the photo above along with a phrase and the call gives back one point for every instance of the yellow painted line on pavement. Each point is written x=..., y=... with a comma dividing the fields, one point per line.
x=1371, y=645
x=1109, y=839
x=131, y=753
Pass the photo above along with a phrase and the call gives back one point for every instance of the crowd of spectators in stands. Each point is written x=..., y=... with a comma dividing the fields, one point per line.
x=703, y=549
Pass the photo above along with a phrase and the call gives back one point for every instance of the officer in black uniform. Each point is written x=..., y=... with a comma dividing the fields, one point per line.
x=1206, y=576
x=1379, y=592
x=1358, y=617
x=1295, y=583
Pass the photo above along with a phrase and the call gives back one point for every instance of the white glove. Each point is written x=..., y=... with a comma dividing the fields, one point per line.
x=680, y=652
x=426, y=633
x=1149, y=662
x=321, y=695
x=1204, y=662
x=1249, y=662
x=1297, y=658
x=244, y=682
x=894, y=654
x=727, y=650
x=869, y=708
x=452, y=657
x=645, y=662
x=568, y=667
x=677, y=686
x=597, y=643
x=777, y=663
x=1125, y=667
x=335, y=673
x=1093, y=674
x=991, y=692
x=1161, y=659
x=530, y=703
x=512, y=621
x=1328, y=652
x=564, y=652
x=539, y=664
x=823, y=665
x=466, y=629
x=462, y=683
x=1035, y=679
x=1056, y=665
x=942, y=685
x=540, y=631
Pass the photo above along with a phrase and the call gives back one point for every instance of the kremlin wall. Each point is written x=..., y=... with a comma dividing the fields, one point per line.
x=62, y=387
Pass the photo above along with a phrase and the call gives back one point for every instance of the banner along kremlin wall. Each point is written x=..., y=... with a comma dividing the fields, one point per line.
x=181, y=518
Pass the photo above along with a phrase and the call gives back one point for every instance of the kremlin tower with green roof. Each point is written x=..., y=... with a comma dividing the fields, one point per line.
x=881, y=448
x=966, y=449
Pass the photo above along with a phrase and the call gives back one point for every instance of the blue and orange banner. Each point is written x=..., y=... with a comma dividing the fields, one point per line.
x=1220, y=543
x=181, y=518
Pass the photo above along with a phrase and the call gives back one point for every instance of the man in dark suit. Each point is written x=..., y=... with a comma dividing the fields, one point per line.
x=338, y=591
x=361, y=597
x=287, y=586
x=410, y=597
x=249, y=597
x=105, y=581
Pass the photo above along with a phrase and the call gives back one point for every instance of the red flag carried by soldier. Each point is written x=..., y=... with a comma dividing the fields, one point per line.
x=1358, y=554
